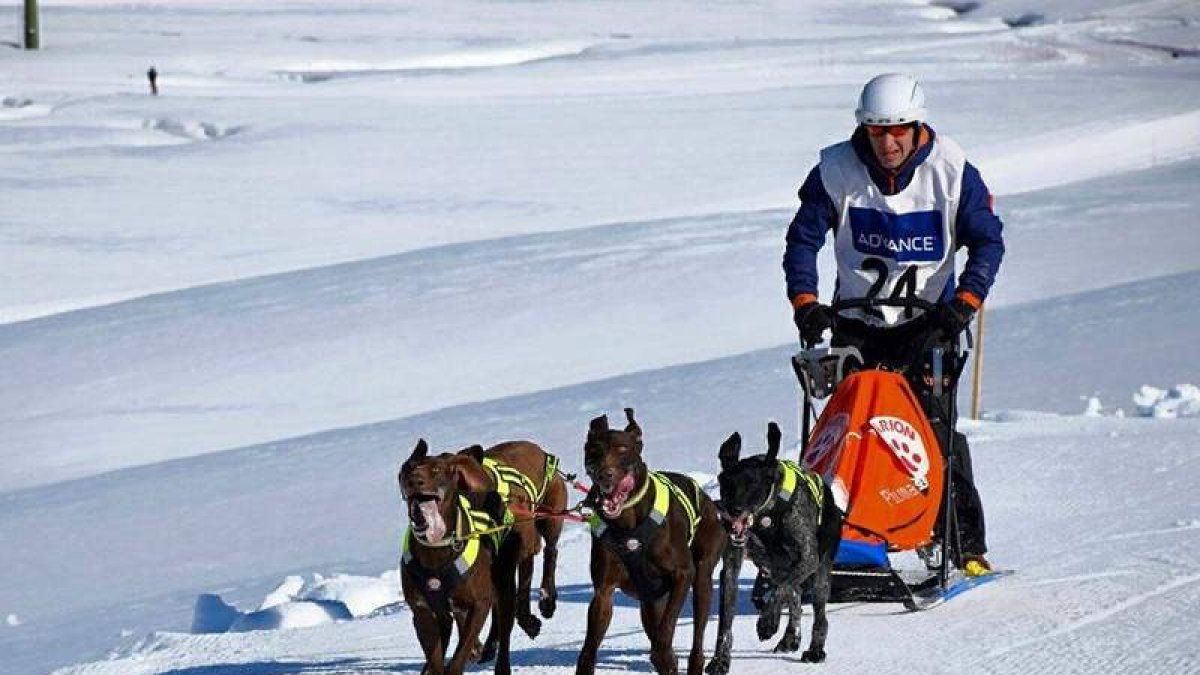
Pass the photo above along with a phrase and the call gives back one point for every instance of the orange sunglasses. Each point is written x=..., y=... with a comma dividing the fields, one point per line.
x=896, y=131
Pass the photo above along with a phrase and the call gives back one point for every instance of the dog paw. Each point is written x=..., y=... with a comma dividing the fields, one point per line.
x=813, y=656
x=790, y=643
x=547, y=605
x=531, y=625
x=718, y=665
x=768, y=625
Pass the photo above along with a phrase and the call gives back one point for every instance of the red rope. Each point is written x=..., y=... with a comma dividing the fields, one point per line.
x=542, y=513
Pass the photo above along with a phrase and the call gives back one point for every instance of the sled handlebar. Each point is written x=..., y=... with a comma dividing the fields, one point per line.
x=871, y=303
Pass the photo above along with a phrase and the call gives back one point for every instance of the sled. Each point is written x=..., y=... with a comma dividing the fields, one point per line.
x=887, y=469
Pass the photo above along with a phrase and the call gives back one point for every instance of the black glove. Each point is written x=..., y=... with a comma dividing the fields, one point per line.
x=953, y=317
x=812, y=319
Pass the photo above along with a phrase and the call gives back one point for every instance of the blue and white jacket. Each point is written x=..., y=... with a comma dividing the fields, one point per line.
x=895, y=233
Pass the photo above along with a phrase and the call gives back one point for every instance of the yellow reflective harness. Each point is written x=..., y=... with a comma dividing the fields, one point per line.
x=507, y=477
x=791, y=474
x=630, y=544
x=481, y=527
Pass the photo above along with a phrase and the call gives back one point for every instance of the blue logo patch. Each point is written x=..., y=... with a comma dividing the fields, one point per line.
x=903, y=237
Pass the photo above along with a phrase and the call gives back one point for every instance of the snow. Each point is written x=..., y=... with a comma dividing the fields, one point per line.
x=291, y=614
x=1179, y=401
x=227, y=312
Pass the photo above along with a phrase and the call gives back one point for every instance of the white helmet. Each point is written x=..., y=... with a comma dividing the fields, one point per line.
x=890, y=99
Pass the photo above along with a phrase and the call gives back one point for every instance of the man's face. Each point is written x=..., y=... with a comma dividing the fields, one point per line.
x=892, y=145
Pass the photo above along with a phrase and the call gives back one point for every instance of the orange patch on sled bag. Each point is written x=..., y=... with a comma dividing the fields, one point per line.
x=874, y=445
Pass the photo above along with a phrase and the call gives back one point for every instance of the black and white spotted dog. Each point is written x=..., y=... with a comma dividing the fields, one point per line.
x=786, y=519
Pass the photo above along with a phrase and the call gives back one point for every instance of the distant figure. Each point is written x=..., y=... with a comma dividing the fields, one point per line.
x=152, y=75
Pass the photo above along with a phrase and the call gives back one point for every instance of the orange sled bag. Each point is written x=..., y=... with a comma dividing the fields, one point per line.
x=877, y=451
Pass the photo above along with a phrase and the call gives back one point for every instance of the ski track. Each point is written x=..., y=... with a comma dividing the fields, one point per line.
x=1074, y=578
x=1093, y=618
x=1195, y=525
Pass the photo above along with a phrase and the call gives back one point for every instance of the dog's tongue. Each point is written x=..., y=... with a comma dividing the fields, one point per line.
x=614, y=501
x=433, y=518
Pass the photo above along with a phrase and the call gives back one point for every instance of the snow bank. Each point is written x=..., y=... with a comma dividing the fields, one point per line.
x=1180, y=401
x=362, y=596
x=299, y=604
x=296, y=614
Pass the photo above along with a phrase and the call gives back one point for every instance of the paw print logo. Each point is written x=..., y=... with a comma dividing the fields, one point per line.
x=826, y=440
x=906, y=444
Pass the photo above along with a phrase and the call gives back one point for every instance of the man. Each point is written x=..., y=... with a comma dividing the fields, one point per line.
x=900, y=200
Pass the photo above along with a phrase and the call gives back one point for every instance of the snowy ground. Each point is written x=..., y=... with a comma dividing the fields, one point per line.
x=229, y=311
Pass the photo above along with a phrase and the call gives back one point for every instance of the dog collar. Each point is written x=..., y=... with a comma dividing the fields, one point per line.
x=782, y=488
x=663, y=490
x=641, y=494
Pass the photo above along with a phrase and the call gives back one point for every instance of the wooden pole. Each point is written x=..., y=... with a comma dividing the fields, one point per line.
x=977, y=378
x=32, y=37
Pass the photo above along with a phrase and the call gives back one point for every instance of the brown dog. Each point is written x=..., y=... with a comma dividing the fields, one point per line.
x=527, y=479
x=654, y=535
x=455, y=568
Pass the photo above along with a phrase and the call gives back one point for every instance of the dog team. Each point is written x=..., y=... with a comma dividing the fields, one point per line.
x=478, y=517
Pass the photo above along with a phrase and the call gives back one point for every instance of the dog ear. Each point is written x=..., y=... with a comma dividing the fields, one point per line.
x=773, y=438
x=633, y=429
x=471, y=476
x=421, y=450
x=475, y=452
x=730, y=450
x=598, y=426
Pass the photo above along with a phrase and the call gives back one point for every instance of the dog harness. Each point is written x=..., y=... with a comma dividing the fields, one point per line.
x=507, y=477
x=791, y=475
x=437, y=585
x=630, y=545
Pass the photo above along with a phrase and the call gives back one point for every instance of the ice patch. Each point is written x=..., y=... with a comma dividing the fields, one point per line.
x=1182, y=400
x=12, y=620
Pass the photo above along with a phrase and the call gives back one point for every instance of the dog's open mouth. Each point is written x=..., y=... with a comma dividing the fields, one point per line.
x=739, y=529
x=614, y=502
x=425, y=516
